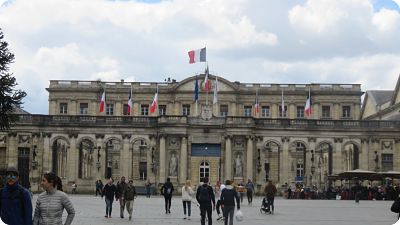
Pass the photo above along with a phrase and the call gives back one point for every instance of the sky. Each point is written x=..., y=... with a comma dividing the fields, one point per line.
x=250, y=41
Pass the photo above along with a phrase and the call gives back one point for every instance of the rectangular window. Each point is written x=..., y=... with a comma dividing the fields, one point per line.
x=186, y=110
x=265, y=112
x=266, y=168
x=300, y=170
x=284, y=115
x=144, y=110
x=346, y=111
x=247, y=110
x=300, y=112
x=387, y=162
x=223, y=110
x=125, y=110
x=109, y=109
x=326, y=112
x=63, y=108
x=143, y=170
x=83, y=108
x=162, y=110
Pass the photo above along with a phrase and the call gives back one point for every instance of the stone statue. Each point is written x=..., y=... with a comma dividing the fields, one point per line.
x=173, y=166
x=238, y=166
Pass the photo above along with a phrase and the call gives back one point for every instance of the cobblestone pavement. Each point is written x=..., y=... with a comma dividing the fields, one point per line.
x=90, y=210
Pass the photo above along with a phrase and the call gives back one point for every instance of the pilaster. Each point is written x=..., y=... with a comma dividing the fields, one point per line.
x=250, y=161
x=337, y=156
x=284, y=163
x=183, y=160
x=228, y=157
x=162, y=158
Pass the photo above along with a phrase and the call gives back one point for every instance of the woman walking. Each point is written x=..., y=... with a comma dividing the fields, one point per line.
x=187, y=193
x=110, y=192
x=51, y=203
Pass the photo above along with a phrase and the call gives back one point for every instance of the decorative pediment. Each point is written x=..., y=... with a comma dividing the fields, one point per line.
x=189, y=84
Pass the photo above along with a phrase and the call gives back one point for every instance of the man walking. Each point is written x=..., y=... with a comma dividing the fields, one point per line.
x=206, y=198
x=250, y=190
x=129, y=197
x=270, y=192
x=15, y=201
x=228, y=197
x=121, y=187
x=167, y=190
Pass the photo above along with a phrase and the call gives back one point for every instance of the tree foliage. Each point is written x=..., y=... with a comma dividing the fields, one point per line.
x=9, y=96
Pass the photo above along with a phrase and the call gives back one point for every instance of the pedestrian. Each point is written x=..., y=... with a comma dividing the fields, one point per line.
x=121, y=187
x=51, y=203
x=250, y=190
x=109, y=191
x=270, y=192
x=187, y=193
x=241, y=190
x=396, y=206
x=129, y=196
x=74, y=186
x=167, y=189
x=148, y=188
x=206, y=198
x=15, y=200
x=217, y=190
x=228, y=198
x=289, y=192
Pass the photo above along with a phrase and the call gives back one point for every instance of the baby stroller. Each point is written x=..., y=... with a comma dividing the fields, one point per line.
x=265, y=207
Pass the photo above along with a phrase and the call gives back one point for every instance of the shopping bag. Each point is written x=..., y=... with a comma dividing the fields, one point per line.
x=239, y=215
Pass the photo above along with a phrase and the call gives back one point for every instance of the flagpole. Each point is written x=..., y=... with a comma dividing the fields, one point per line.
x=207, y=82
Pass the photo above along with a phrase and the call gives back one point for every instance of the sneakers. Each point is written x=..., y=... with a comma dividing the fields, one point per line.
x=219, y=218
x=130, y=217
x=184, y=217
x=188, y=218
x=106, y=216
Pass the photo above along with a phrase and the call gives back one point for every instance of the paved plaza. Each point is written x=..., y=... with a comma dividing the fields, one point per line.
x=90, y=210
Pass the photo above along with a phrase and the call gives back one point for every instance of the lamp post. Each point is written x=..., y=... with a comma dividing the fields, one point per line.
x=98, y=165
x=312, y=167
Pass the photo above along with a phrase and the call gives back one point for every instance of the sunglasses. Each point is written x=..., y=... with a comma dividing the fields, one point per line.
x=11, y=177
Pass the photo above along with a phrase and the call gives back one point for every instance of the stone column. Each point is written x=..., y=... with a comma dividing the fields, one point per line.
x=73, y=158
x=183, y=161
x=149, y=159
x=250, y=161
x=275, y=111
x=284, y=163
x=12, y=149
x=315, y=111
x=228, y=157
x=337, y=156
x=309, y=154
x=46, y=152
x=125, y=163
x=232, y=111
x=162, y=159
x=364, y=151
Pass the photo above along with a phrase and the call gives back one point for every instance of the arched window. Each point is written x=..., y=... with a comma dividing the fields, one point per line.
x=204, y=170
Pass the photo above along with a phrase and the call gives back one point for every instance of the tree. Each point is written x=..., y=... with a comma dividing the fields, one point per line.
x=9, y=97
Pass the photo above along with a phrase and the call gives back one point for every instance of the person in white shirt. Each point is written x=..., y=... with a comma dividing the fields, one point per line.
x=187, y=193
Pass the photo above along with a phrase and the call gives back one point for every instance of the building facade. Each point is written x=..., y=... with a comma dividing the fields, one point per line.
x=234, y=131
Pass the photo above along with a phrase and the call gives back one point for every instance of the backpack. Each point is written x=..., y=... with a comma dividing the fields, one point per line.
x=204, y=194
x=169, y=190
x=396, y=206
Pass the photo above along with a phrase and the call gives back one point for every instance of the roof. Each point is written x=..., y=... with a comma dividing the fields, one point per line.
x=381, y=97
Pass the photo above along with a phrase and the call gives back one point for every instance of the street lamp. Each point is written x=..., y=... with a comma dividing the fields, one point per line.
x=312, y=167
x=98, y=165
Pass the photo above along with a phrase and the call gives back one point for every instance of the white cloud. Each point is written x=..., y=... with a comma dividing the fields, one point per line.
x=341, y=41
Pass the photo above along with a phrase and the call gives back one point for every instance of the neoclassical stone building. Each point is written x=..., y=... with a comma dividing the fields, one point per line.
x=184, y=139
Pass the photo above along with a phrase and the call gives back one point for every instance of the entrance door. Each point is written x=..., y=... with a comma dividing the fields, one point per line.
x=23, y=166
x=205, y=162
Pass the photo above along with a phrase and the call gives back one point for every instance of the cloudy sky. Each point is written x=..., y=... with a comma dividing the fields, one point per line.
x=251, y=41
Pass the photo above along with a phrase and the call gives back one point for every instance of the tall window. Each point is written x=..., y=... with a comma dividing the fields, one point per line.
x=346, y=111
x=142, y=170
x=326, y=111
x=186, y=110
x=266, y=168
x=387, y=162
x=204, y=170
x=223, y=110
x=300, y=111
x=162, y=110
x=109, y=109
x=125, y=110
x=63, y=108
x=284, y=115
x=83, y=108
x=247, y=110
x=300, y=170
x=265, y=112
x=144, y=110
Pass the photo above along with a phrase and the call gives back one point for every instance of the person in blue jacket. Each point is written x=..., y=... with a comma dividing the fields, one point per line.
x=15, y=201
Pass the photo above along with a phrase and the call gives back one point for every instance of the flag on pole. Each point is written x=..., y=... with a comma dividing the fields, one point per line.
x=307, y=108
x=283, y=105
x=154, y=103
x=102, y=101
x=207, y=82
x=198, y=55
x=256, y=105
x=216, y=89
x=130, y=102
x=196, y=90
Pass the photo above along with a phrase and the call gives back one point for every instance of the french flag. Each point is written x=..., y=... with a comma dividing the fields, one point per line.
x=198, y=55
x=130, y=103
x=103, y=101
x=154, y=103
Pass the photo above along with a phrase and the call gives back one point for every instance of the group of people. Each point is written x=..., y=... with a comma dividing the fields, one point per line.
x=16, y=202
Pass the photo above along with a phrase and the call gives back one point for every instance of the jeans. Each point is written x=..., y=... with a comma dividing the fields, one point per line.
x=250, y=196
x=122, y=207
x=188, y=204
x=271, y=202
x=129, y=207
x=109, y=206
x=147, y=192
x=218, y=206
x=203, y=210
x=167, y=199
x=229, y=210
